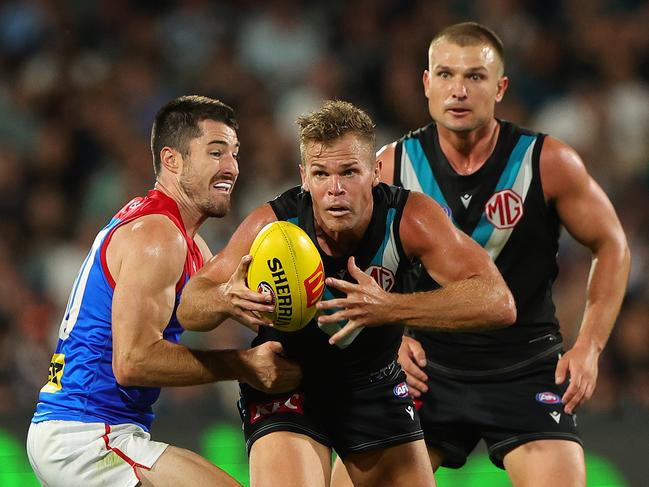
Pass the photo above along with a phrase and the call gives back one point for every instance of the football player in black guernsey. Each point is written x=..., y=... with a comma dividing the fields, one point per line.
x=372, y=237
x=510, y=189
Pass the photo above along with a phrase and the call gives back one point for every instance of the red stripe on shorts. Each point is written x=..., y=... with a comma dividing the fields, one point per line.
x=123, y=455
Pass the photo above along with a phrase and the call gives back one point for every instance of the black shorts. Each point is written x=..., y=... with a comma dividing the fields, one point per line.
x=371, y=413
x=457, y=412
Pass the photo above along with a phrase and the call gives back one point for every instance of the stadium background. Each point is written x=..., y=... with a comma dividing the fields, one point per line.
x=79, y=85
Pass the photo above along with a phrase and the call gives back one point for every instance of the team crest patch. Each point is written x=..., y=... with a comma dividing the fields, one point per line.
x=401, y=390
x=548, y=398
x=504, y=209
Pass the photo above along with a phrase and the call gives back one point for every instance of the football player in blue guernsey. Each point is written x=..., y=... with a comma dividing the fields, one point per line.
x=353, y=397
x=510, y=189
x=118, y=341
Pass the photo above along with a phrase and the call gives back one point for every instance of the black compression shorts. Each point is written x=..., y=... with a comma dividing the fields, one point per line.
x=457, y=412
x=372, y=413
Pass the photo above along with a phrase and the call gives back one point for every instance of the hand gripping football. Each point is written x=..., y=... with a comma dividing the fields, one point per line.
x=286, y=264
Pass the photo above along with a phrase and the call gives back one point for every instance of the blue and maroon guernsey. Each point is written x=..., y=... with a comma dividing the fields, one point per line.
x=81, y=384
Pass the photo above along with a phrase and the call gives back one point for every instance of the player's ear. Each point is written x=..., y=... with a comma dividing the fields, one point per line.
x=424, y=80
x=503, y=83
x=305, y=186
x=378, y=165
x=170, y=159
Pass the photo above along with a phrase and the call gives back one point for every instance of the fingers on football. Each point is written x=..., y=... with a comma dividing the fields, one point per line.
x=242, y=269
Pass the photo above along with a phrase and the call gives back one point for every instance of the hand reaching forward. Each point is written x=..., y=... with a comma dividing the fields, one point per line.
x=366, y=303
x=268, y=370
x=246, y=304
x=412, y=359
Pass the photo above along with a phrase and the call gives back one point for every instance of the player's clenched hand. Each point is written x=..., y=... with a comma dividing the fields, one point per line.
x=581, y=364
x=412, y=359
x=269, y=370
x=366, y=303
x=246, y=304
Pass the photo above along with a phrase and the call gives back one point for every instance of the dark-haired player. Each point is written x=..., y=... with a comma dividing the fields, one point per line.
x=118, y=341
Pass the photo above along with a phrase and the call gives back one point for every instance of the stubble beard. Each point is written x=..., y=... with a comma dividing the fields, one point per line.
x=211, y=207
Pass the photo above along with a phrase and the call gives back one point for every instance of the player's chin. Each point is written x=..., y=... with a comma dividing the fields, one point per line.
x=218, y=209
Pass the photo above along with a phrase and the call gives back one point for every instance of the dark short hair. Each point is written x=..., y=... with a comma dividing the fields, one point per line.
x=333, y=120
x=470, y=34
x=176, y=123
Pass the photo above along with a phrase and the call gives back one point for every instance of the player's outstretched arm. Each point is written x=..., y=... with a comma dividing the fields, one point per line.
x=146, y=259
x=473, y=296
x=219, y=291
x=589, y=216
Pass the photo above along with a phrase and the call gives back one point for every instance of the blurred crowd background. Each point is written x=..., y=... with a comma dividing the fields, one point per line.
x=80, y=82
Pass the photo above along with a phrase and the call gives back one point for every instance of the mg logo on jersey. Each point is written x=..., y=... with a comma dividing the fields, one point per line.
x=383, y=277
x=504, y=209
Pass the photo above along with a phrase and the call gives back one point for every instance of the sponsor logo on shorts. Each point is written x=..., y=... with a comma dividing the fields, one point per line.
x=291, y=404
x=556, y=416
x=548, y=398
x=401, y=390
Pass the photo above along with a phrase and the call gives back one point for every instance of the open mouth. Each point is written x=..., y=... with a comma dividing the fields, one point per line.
x=338, y=211
x=222, y=187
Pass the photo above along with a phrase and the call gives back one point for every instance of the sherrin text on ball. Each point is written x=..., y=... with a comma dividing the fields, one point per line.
x=286, y=264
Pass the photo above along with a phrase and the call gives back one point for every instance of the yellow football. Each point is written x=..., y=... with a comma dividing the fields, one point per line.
x=287, y=265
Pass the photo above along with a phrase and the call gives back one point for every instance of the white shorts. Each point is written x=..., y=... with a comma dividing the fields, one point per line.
x=71, y=453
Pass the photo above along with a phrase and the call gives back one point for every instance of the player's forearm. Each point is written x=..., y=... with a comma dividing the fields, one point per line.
x=609, y=273
x=165, y=364
x=202, y=305
x=477, y=303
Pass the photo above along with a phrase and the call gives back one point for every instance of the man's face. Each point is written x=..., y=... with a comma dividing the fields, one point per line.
x=463, y=85
x=211, y=168
x=340, y=176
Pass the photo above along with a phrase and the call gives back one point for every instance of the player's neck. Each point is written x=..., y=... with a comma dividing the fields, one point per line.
x=192, y=218
x=468, y=151
x=340, y=244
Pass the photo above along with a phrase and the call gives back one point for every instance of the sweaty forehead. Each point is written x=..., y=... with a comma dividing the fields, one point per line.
x=480, y=54
x=213, y=130
x=349, y=148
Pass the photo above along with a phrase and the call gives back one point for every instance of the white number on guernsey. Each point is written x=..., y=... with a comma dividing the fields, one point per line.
x=79, y=288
